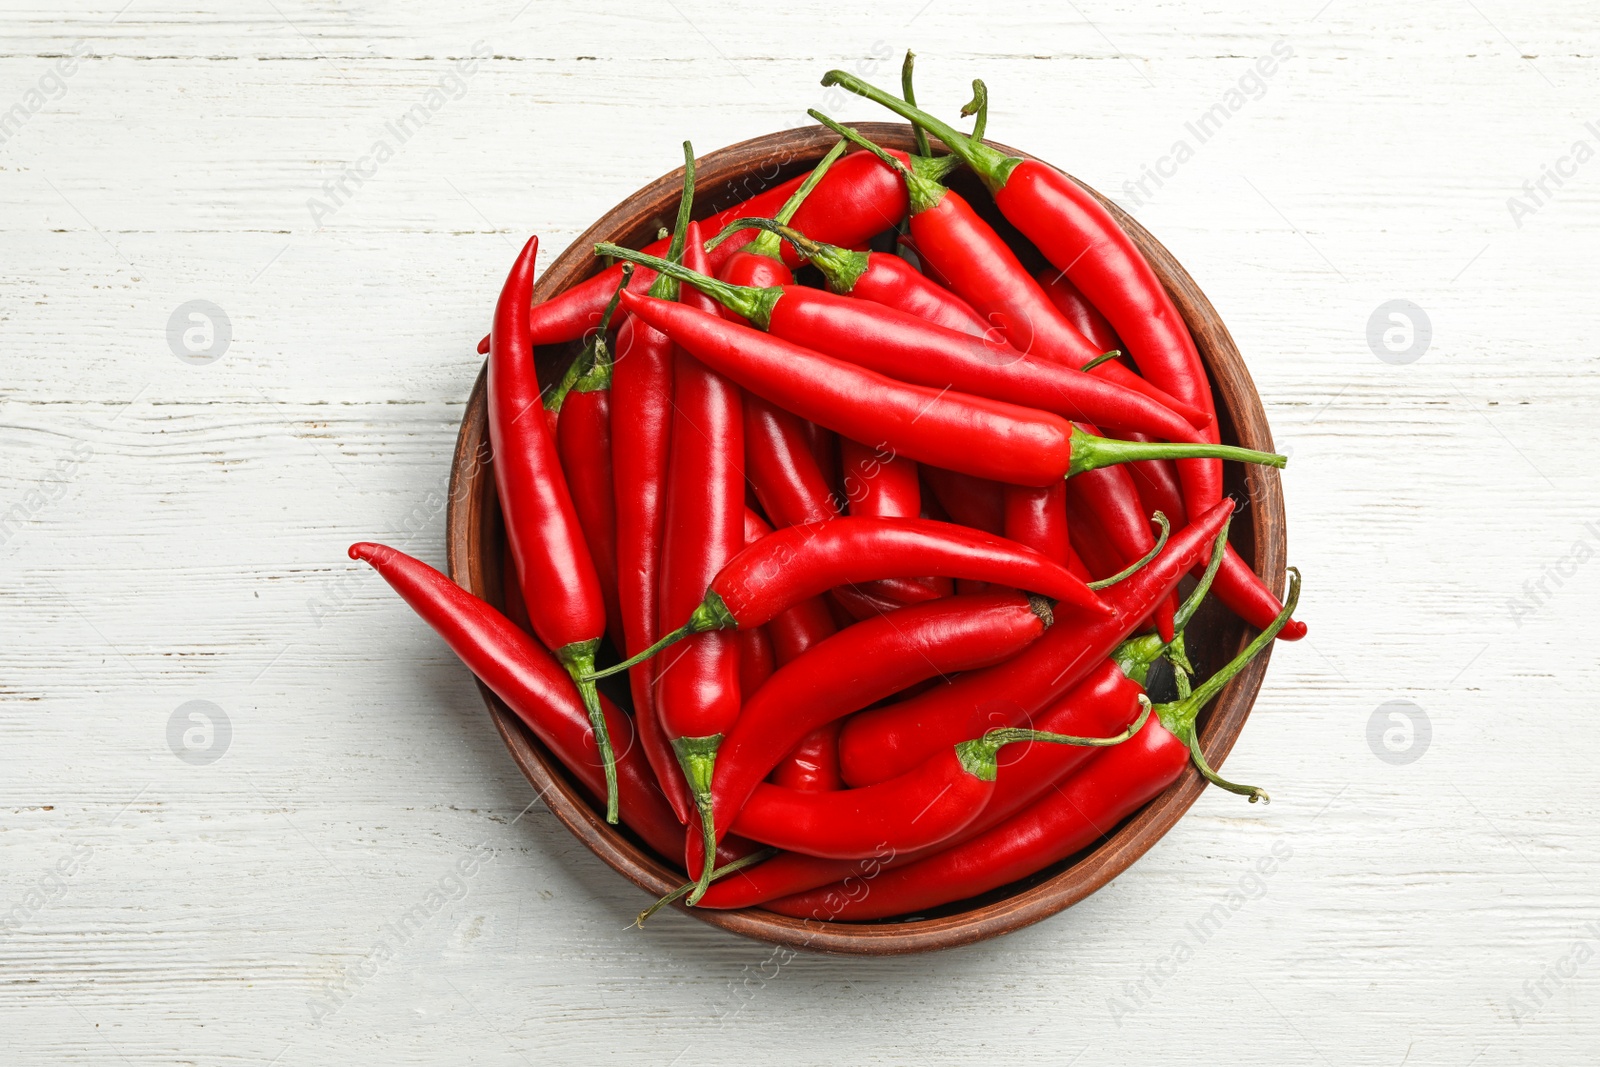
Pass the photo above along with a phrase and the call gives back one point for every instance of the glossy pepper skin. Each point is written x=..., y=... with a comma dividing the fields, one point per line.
x=697, y=682
x=857, y=667
x=911, y=349
x=813, y=763
x=641, y=430
x=1081, y=239
x=977, y=264
x=879, y=277
x=1103, y=703
x=1074, y=815
x=887, y=741
x=799, y=562
x=859, y=197
x=991, y=439
x=879, y=484
x=536, y=688
x=925, y=806
x=559, y=583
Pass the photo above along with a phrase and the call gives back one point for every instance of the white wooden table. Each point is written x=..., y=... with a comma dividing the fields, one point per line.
x=174, y=531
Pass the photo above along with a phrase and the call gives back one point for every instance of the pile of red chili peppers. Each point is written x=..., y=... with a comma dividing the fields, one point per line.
x=886, y=527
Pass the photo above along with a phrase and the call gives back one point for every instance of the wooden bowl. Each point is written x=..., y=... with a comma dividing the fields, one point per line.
x=478, y=561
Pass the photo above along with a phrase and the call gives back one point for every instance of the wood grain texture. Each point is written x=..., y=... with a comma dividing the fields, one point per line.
x=197, y=553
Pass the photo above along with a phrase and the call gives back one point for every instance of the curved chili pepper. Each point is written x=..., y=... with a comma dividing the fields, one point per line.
x=793, y=490
x=926, y=805
x=1036, y=516
x=538, y=690
x=798, y=562
x=884, y=742
x=860, y=666
x=878, y=483
x=557, y=574
x=1086, y=807
x=876, y=276
x=905, y=347
x=992, y=439
x=860, y=198
x=1076, y=309
x=1106, y=700
x=697, y=687
x=814, y=762
x=641, y=429
x=583, y=443
x=980, y=267
x=975, y=502
x=812, y=765
x=761, y=261
x=756, y=660
x=1111, y=497
x=1076, y=234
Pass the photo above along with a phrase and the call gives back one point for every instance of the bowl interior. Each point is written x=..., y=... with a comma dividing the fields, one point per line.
x=478, y=562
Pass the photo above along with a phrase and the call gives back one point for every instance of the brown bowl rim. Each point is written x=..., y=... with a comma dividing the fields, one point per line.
x=471, y=497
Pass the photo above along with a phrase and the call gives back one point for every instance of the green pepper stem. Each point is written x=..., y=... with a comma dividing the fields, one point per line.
x=578, y=659
x=1160, y=519
x=770, y=244
x=978, y=756
x=1179, y=717
x=923, y=192
x=712, y=614
x=754, y=304
x=841, y=267
x=665, y=287
x=698, y=758
x=1091, y=452
x=598, y=375
x=557, y=395
x=759, y=856
x=992, y=166
x=978, y=105
x=918, y=134
x=1219, y=549
x=1104, y=357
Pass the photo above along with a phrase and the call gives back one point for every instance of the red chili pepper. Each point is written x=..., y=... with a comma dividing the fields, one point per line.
x=860, y=666
x=876, y=276
x=558, y=579
x=641, y=428
x=761, y=261
x=531, y=683
x=926, y=805
x=974, y=502
x=756, y=660
x=958, y=431
x=860, y=198
x=793, y=490
x=1112, y=498
x=811, y=766
x=798, y=562
x=1076, y=309
x=1092, y=802
x=814, y=762
x=697, y=685
x=980, y=267
x=1105, y=701
x=881, y=743
x=1036, y=516
x=583, y=442
x=1076, y=234
x=903, y=346
x=880, y=484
